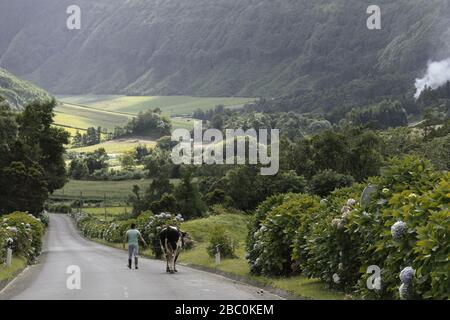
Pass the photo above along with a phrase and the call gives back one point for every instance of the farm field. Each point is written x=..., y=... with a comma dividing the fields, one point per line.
x=77, y=113
x=114, y=190
x=80, y=117
x=118, y=145
x=111, y=212
x=170, y=105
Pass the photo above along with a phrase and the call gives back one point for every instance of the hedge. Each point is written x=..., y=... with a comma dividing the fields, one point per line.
x=26, y=232
x=402, y=227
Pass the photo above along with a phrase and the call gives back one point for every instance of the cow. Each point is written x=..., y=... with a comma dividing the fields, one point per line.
x=172, y=241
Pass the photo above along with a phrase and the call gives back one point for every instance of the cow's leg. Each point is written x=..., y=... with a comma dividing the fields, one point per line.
x=164, y=251
x=173, y=264
x=170, y=257
x=175, y=260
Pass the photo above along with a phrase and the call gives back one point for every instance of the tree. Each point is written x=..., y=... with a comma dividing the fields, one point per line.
x=127, y=160
x=328, y=180
x=188, y=197
x=78, y=169
x=31, y=160
x=96, y=160
x=77, y=140
x=44, y=142
x=141, y=152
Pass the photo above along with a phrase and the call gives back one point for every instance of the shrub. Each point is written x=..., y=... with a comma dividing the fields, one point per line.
x=253, y=250
x=153, y=224
x=328, y=180
x=328, y=249
x=26, y=231
x=59, y=208
x=221, y=241
x=405, y=224
x=275, y=238
x=422, y=209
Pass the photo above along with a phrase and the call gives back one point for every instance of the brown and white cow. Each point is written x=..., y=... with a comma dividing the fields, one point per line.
x=172, y=241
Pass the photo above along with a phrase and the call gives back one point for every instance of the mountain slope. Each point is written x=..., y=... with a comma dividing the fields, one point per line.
x=18, y=92
x=224, y=47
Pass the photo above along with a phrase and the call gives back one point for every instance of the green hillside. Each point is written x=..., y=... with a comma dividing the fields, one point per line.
x=319, y=51
x=19, y=92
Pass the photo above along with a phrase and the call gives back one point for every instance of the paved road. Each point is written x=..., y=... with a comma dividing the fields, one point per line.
x=104, y=274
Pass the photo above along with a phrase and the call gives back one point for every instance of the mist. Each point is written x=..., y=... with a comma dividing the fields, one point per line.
x=438, y=73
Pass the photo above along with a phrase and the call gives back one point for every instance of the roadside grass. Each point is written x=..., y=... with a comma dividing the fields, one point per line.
x=236, y=226
x=8, y=273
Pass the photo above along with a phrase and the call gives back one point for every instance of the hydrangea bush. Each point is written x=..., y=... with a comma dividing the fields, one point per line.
x=150, y=225
x=26, y=233
x=328, y=250
x=404, y=225
x=284, y=223
x=253, y=250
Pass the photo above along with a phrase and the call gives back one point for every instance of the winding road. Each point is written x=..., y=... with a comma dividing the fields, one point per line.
x=104, y=274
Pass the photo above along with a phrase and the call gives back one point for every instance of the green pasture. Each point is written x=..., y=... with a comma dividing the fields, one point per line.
x=170, y=105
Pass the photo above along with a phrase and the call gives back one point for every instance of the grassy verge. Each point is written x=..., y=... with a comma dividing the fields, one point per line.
x=8, y=273
x=236, y=225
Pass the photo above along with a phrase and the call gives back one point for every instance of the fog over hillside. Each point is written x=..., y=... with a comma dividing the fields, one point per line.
x=224, y=47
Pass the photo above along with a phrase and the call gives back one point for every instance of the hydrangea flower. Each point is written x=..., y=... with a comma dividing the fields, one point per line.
x=351, y=202
x=345, y=209
x=398, y=229
x=12, y=229
x=407, y=275
x=337, y=223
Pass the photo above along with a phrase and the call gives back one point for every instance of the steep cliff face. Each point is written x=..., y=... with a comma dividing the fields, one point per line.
x=223, y=47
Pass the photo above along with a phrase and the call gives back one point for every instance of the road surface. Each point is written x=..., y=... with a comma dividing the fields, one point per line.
x=104, y=274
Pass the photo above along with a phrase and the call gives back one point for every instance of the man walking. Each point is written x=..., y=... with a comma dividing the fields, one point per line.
x=132, y=236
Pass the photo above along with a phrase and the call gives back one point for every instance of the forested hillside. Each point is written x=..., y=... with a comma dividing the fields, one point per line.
x=318, y=53
x=18, y=92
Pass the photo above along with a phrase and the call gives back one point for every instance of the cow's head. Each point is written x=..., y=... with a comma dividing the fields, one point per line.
x=186, y=240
